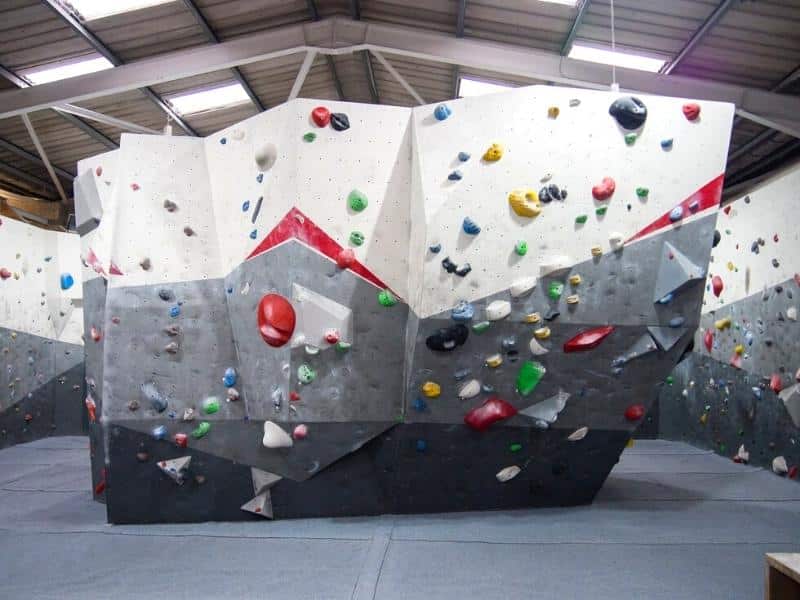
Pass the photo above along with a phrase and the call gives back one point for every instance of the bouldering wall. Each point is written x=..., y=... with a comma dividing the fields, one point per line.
x=737, y=392
x=355, y=309
x=41, y=328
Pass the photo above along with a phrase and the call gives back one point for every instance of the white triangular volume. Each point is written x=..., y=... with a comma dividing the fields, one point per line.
x=666, y=337
x=263, y=480
x=644, y=345
x=674, y=271
x=522, y=286
x=554, y=264
x=316, y=315
x=547, y=410
x=175, y=468
x=260, y=505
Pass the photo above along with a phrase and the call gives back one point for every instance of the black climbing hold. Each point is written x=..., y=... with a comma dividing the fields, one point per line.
x=544, y=195
x=447, y=338
x=554, y=192
x=778, y=289
x=463, y=270
x=165, y=294
x=629, y=112
x=339, y=121
x=563, y=194
x=435, y=248
x=448, y=265
x=754, y=248
x=717, y=238
x=775, y=263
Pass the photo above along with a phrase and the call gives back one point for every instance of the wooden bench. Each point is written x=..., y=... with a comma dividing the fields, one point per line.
x=782, y=578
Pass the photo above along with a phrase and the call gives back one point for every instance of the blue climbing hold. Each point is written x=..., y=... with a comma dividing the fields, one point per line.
x=260, y=177
x=436, y=248
x=254, y=234
x=463, y=156
x=421, y=445
x=229, y=379
x=66, y=281
x=463, y=312
x=420, y=405
x=461, y=374
x=223, y=141
x=676, y=321
x=229, y=290
x=456, y=175
x=676, y=214
x=470, y=227
x=245, y=205
x=748, y=337
x=159, y=432
x=666, y=299
x=488, y=388
x=757, y=392
x=441, y=112
x=175, y=311
x=666, y=144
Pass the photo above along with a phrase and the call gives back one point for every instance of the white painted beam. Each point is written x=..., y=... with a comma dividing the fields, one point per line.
x=92, y=115
x=43, y=156
x=302, y=74
x=400, y=79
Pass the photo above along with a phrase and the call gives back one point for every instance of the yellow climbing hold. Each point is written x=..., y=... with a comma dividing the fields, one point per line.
x=597, y=251
x=629, y=443
x=575, y=279
x=542, y=333
x=704, y=418
x=532, y=318
x=494, y=153
x=525, y=203
x=494, y=361
x=431, y=389
x=731, y=266
x=739, y=349
x=553, y=112
x=723, y=323
x=573, y=299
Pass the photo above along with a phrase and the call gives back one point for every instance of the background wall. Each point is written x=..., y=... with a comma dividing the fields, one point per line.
x=721, y=399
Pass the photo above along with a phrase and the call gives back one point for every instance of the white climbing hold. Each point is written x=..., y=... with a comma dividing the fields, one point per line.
x=266, y=156
x=536, y=348
x=551, y=264
x=275, y=437
x=791, y=313
x=498, y=309
x=508, y=473
x=616, y=241
x=175, y=468
x=742, y=455
x=522, y=286
x=470, y=389
x=779, y=466
x=578, y=434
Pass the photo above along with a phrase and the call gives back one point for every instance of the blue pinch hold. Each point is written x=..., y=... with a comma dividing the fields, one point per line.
x=676, y=214
x=470, y=227
x=159, y=432
x=463, y=312
x=456, y=175
x=175, y=311
x=441, y=112
x=677, y=321
x=66, y=281
x=464, y=156
x=245, y=205
x=666, y=144
x=666, y=299
x=229, y=378
x=435, y=248
x=420, y=405
x=254, y=234
x=260, y=177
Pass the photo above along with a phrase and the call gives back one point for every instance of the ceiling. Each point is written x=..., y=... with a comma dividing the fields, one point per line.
x=752, y=43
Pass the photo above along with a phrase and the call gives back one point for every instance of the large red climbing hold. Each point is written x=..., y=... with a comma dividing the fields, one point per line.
x=716, y=285
x=586, y=340
x=492, y=410
x=321, y=116
x=605, y=189
x=708, y=339
x=634, y=412
x=276, y=320
x=775, y=383
x=691, y=110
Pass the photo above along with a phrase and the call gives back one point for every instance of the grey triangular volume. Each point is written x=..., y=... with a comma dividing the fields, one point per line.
x=644, y=345
x=666, y=337
x=87, y=200
x=175, y=468
x=263, y=480
x=674, y=271
x=261, y=505
x=547, y=410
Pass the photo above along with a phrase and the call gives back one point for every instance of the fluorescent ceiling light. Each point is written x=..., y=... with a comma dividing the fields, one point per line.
x=564, y=2
x=476, y=87
x=65, y=70
x=620, y=58
x=210, y=99
x=89, y=10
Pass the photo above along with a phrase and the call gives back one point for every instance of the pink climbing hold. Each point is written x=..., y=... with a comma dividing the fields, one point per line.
x=586, y=340
x=135, y=187
x=114, y=269
x=736, y=360
x=5, y=273
x=775, y=238
x=300, y=432
x=797, y=278
x=96, y=334
x=605, y=189
x=691, y=110
x=634, y=412
x=775, y=383
x=716, y=285
x=345, y=258
x=492, y=410
x=181, y=440
x=276, y=320
x=708, y=339
x=98, y=171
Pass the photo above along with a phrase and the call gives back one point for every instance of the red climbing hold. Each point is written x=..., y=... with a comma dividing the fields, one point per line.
x=634, y=412
x=276, y=320
x=586, y=340
x=345, y=259
x=708, y=339
x=605, y=189
x=797, y=278
x=775, y=383
x=294, y=396
x=96, y=335
x=321, y=116
x=727, y=209
x=181, y=440
x=716, y=285
x=332, y=336
x=492, y=410
x=792, y=474
x=5, y=273
x=100, y=488
x=736, y=360
x=135, y=187
x=691, y=110
x=775, y=238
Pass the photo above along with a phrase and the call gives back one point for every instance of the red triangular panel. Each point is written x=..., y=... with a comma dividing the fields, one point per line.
x=707, y=196
x=298, y=226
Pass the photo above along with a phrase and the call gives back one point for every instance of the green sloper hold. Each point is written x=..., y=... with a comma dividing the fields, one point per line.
x=356, y=238
x=630, y=138
x=581, y=219
x=480, y=327
x=305, y=374
x=642, y=192
x=530, y=374
x=387, y=298
x=601, y=210
x=515, y=447
x=309, y=137
x=210, y=405
x=202, y=429
x=521, y=248
x=343, y=346
x=357, y=201
x=555, y=289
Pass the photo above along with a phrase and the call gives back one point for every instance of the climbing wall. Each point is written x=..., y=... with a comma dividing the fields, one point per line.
x=737, y=392
x=354, y=309
x=41, y=329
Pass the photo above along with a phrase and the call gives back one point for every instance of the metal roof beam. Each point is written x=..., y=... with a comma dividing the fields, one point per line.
x=769, y=162
x=45, y=159
x=103, y=50
x=355, y=12
x=312, y=9
x=719, y=12
x=576, y=24
x=107, y=119
x=342, y=36
x=38, y=183
x=32, y=158
x=461, y=15
x=212, y=37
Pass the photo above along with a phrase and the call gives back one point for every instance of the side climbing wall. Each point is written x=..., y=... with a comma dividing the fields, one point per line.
x=41, y=328
x=355, y=309
x=737, y=392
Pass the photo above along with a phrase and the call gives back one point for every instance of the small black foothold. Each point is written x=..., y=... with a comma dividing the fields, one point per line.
x=339, y=121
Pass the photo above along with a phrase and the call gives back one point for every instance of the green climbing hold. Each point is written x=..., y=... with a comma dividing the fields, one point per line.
x=357, y=201
x=669, y=380
x=305, y=374
x=201, y=430
x=356, y=238
x=387, y=298
x=521, y=247
x=480, y=327
x=600, y=210
x=515, y=447
x=581, y=219
x=630, y=138
x=555, y=289
x=343, y=347
x=642, y=192
x=309, y=137
x=210, y=405
x=530, y=374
